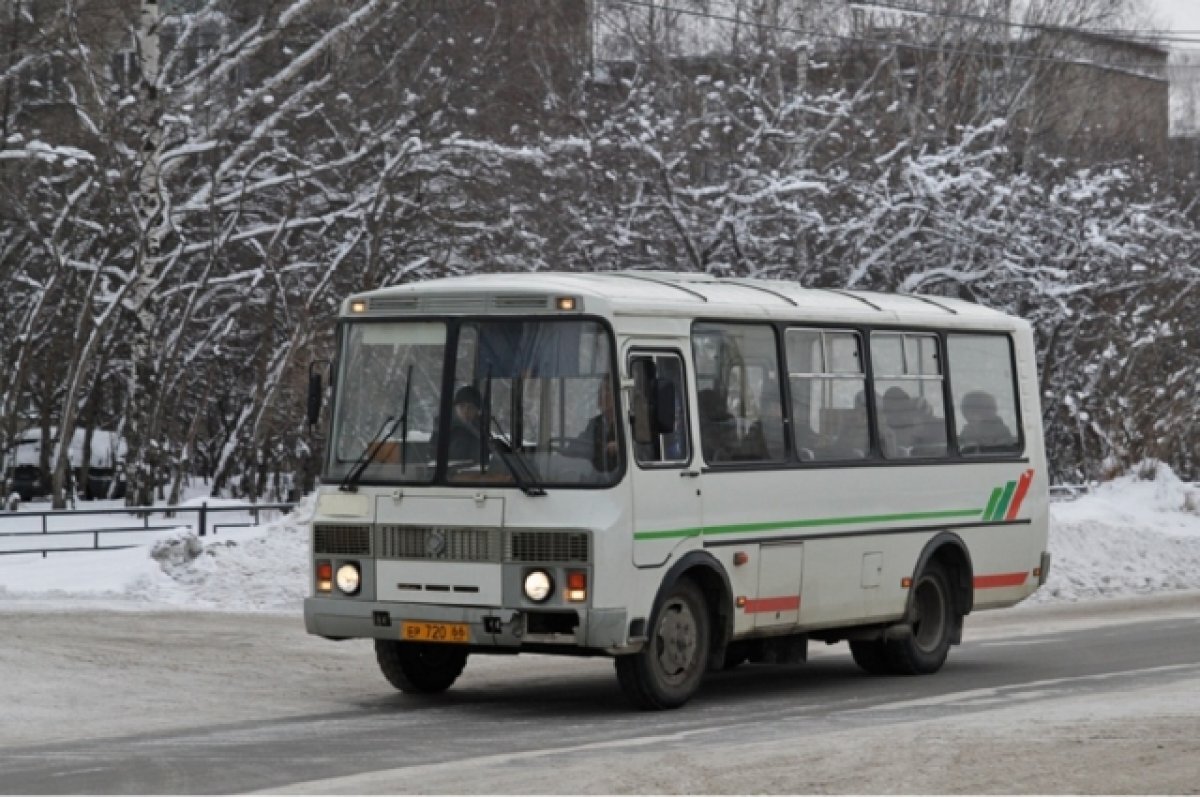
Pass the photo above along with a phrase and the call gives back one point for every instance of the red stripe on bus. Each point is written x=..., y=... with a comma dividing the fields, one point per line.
x=1001, y=580
x=787, y=603
x=1022, y=488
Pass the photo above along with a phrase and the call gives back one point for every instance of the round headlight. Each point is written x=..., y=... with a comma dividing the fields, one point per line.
x=538, y=585
x=348, y=578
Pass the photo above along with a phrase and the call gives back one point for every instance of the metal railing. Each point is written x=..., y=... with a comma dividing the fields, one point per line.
x=202, y=524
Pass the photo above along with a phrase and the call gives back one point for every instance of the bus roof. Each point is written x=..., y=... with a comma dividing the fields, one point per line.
x=662, y=293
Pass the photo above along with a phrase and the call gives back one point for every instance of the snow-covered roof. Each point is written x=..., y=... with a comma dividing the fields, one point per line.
x=665, y=293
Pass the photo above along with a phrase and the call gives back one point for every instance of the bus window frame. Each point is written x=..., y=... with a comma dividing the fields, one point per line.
x=875, y=458
x=903, y=332
x=785, y=396
x=454, y=324
x=1016, y=395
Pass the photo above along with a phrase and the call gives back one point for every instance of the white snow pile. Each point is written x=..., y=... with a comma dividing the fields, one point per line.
x=1137, y=534
x=262, y=568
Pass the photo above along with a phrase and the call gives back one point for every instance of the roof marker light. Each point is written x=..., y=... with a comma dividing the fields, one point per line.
x=565, y=303
x=358, y=306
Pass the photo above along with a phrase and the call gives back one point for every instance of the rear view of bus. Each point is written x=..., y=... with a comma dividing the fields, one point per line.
x=679, y=472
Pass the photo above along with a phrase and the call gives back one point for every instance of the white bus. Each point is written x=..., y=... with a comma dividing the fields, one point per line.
x=678, y=471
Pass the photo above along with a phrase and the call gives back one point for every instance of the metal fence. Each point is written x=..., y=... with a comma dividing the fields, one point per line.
x=202, y=523
x=108, y=538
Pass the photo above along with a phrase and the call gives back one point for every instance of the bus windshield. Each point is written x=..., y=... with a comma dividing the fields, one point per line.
x=532, y=404
x=390, y=387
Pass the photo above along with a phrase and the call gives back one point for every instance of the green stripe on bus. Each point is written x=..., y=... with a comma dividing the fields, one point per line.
x=1005, y=499
x=781, y=525
x=995, y=499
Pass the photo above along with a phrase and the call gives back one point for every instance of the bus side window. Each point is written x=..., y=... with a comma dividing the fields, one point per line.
x=669, y=448
x=829, y=410
x=909, y=395
x=739, y=400
x=985, y=399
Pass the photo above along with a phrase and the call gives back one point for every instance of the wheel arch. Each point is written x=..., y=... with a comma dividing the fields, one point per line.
x=708, y=574
x=948, y=549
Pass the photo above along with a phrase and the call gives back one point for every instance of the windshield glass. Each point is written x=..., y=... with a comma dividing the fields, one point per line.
x=542, y=389
x=376, y=364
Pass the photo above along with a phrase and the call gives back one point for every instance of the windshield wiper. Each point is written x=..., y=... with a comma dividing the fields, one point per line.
x=350, y=482
x=521, y=469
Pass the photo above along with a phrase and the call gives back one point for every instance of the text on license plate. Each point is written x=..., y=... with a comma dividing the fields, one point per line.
x=412, y=631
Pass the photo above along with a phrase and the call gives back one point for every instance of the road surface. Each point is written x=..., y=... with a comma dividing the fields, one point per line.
x=1098, y=697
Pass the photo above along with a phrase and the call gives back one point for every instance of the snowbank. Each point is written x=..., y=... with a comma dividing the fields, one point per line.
x=1131, y=536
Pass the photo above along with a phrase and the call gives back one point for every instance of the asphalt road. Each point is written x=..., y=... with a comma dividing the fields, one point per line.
x=1034, y=700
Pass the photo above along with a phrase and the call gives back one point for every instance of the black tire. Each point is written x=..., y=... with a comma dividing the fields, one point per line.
x=670, y=666
x=871, y=656
x=420, y=668
x=934, y=622
x=735, y=655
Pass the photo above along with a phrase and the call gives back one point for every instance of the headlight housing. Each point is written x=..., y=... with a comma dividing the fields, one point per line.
x=538, y=586
x=349, y=578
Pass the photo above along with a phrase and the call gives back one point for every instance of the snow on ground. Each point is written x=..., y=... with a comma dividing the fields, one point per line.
x=1129, y=536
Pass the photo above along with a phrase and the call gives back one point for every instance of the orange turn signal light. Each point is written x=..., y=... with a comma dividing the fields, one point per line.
x=905, y=583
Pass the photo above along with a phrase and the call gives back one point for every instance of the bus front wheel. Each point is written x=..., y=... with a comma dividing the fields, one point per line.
x=669, y=667
x=418, y=668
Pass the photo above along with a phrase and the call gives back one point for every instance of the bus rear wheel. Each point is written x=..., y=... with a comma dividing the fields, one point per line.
x=934, y=620
x=669, y=667
x=418, y=668
x=921, y=648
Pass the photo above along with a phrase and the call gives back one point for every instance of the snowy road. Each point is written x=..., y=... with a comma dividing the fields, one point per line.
x=1091, y=697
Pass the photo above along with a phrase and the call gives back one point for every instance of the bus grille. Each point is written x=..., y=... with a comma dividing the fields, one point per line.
x=546, y=546
x=342, y=540
x=447, y=544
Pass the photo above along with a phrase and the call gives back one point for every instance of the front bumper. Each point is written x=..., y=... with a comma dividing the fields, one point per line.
x=506, y=629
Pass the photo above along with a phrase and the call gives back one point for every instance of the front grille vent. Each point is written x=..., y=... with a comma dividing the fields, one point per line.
x=440, y=544
x=454, y=304
x=394, y=303
x=546, y=546
x=342, y=540
x=521, y=302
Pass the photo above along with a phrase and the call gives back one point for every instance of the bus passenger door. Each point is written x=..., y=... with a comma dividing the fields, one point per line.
x=666, y=492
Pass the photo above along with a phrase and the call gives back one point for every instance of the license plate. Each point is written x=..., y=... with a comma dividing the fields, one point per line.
x=454, y=633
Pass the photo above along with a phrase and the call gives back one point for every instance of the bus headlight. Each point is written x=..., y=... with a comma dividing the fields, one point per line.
x=538, y=585
x=349, y=579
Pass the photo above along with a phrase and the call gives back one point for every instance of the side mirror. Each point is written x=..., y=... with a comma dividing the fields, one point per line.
x=314, y=397
x=653, y=403
x=642, y=409
x=664, y=407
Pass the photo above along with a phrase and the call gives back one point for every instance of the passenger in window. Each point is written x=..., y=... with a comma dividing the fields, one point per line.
x=717, y=426
x=910, y=428
x=464, y=426
x=895, y=411
x=764, y=439
x=852, y=439
x=598, y=440
x=984, y=429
